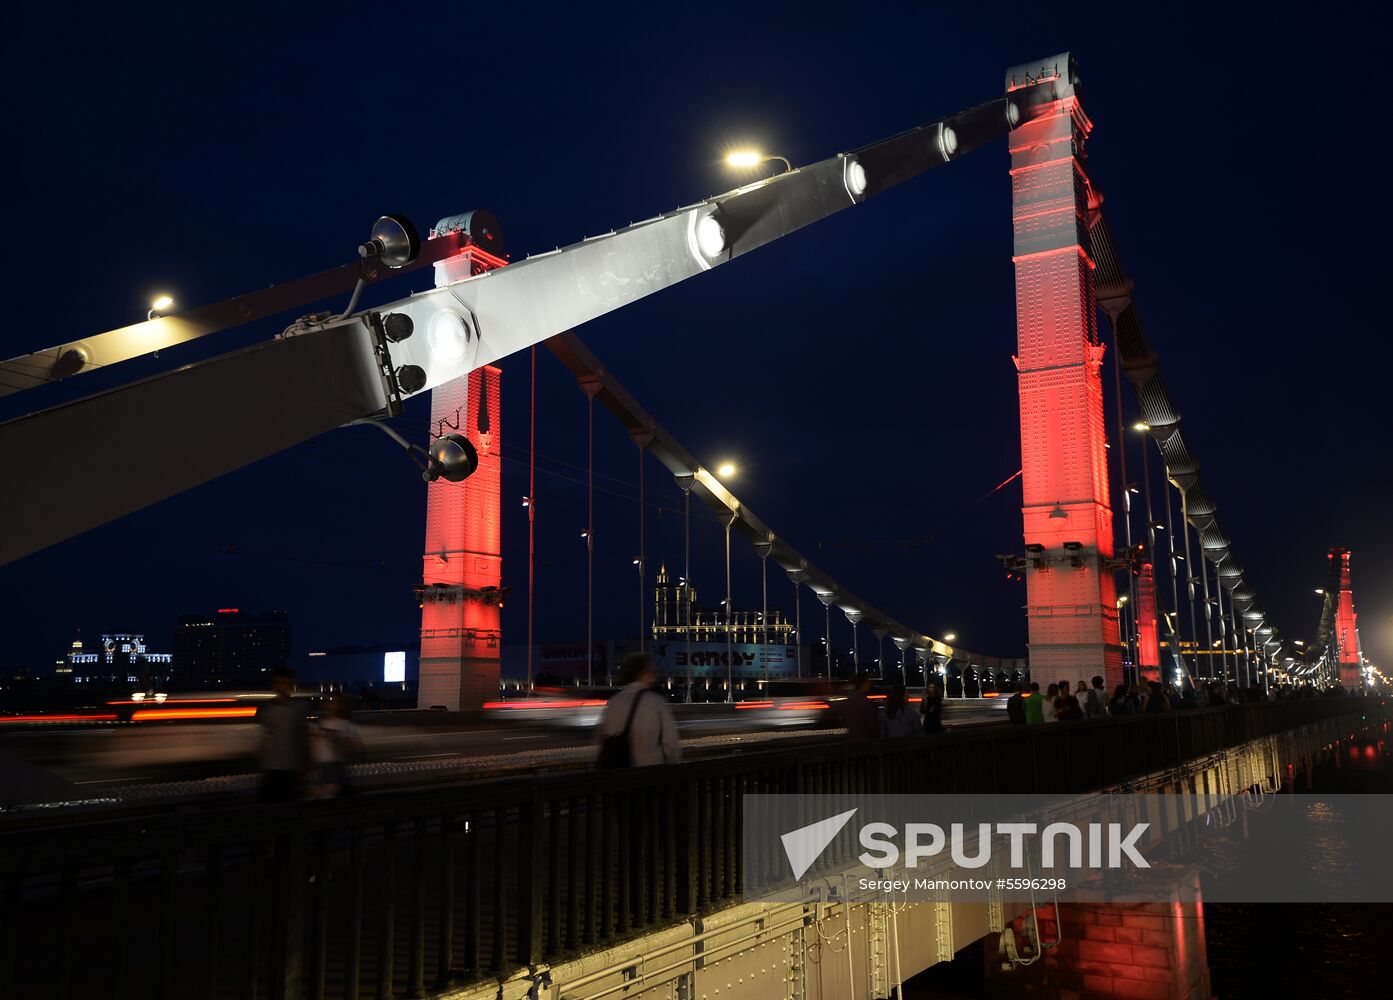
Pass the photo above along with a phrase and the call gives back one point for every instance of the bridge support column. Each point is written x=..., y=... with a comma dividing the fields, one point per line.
x=1071, y=590
x=1141, y=951
x=462, y=568
x=1346, y=637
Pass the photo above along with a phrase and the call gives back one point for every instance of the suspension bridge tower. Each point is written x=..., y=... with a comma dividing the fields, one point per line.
x=1071, y=590
x=461, y=582
x=1346, y=638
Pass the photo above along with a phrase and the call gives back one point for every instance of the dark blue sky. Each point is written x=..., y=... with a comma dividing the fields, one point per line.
x=860, y=371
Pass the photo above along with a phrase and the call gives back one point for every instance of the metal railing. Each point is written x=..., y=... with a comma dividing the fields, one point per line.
x=409, y=892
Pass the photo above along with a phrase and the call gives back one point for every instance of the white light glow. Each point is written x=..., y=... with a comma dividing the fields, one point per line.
x=394, y=667
x=447, y=336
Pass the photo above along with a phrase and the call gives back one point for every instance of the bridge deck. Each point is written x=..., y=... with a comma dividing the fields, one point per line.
x=408, y=890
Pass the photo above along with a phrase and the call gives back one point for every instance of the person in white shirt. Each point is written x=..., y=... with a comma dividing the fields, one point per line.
x=1047, y=708
x=644, y=713
x=334, y=741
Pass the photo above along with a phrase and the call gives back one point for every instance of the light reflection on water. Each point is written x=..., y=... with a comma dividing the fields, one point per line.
x=1295, y=949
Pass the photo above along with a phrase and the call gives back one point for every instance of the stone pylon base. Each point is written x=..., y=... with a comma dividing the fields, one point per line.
x=1146, y=951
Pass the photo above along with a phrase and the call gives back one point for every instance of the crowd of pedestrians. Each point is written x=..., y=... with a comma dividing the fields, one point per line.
x=1057, y=703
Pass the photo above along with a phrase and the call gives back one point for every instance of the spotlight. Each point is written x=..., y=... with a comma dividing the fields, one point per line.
x=393, y=240
x=453, y=458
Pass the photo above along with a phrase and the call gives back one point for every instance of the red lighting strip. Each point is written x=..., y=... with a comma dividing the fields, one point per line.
x=483, y=256
x=754, y=704
x=154, y=714
x=803, y=706
x=57, y=718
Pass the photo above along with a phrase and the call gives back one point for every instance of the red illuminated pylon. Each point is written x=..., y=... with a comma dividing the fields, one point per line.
x=1346, y=638
x=462, y=573
x=1070, y=592
x=1148, y=645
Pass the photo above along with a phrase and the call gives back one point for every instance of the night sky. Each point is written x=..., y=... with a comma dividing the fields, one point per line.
x=859, y=372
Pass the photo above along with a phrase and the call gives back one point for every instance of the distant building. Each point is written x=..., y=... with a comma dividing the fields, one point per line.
x=120, y=658
x=684, y=640
x=676, y=616
x=231, y=648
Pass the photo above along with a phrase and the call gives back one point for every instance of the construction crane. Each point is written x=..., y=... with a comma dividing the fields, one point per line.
x=332, y=369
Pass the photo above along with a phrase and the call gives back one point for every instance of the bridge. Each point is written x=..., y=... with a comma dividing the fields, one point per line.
x=630, y=884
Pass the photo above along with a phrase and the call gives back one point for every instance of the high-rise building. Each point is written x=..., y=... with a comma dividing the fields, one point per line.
x=231, y=648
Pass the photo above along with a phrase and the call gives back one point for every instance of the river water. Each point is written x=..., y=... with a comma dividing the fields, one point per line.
x=1322, y=951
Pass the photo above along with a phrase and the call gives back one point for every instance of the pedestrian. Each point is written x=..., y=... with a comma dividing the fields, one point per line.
x=637, y=728
x=1047, y=706
x=931, y=709
x=859, y=715
x=284, y=742
x=1121, y=704
x=1095, y=702
x=1034, y=704
x=1015, y=705
x=1066, y=706
x=334, y=741
x=899, y=719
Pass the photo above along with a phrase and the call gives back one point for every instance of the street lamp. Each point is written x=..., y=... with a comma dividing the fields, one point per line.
x=726, y=470
x=745, y=159
x=950, y=637
x=159, y=305
x=728, y=518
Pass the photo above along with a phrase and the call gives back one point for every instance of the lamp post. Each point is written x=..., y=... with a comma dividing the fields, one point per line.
x=684, y=616
x=642, y=438
x=855, y=618
x=827, y=597
x=728, y=518
x=763, y=548
x=797, y=576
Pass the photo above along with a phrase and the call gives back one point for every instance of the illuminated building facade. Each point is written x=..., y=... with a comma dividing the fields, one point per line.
x=120, y=658
x=231, y=648
x=1071, y=591
x=677, y=617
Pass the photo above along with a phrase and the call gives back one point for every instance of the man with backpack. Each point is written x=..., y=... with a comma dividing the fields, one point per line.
x=637, y=727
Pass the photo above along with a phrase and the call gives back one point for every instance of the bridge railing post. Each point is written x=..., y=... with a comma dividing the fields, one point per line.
x=687, y=849
x=529, y=867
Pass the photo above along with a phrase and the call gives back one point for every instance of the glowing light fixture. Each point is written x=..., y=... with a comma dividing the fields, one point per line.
x=160, y=305
x=950, y=637
x=710, y=236
x=744, y=159
x=725, y=470
x=1141, y=425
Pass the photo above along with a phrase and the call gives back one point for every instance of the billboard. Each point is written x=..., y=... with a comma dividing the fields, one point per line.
x=709, y=659
x=394, y=667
